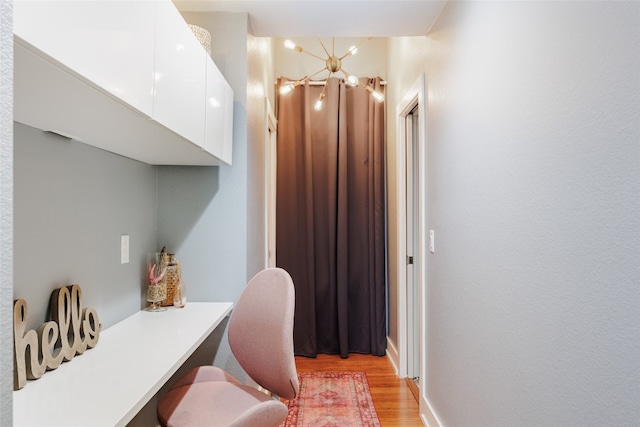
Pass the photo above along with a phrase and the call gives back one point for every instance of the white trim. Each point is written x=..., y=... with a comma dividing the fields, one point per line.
x=270, y=170
x=392, y=355
x=429, y=417
x=401, y=278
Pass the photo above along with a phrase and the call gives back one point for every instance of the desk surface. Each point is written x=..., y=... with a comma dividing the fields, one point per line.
x=109, y=384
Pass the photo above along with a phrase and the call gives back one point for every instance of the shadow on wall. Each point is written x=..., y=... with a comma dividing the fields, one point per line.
x=184, y=193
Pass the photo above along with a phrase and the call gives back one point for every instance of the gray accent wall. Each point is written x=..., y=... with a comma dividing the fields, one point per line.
x=72, y=203
x=533, y=139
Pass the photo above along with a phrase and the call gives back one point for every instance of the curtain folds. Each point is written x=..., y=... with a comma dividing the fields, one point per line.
x=330, y=228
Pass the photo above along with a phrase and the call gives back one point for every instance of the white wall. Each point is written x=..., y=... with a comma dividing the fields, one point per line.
x=533, y=169
x=6, y=211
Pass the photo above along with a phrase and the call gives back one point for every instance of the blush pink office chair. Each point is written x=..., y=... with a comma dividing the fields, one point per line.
x=261, y=339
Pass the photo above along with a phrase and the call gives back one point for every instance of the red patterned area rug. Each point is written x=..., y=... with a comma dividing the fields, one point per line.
x=332, y=399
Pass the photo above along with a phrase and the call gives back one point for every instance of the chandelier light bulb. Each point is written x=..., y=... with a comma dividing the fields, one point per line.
x=352, y=80
x=289, y=44
x=286, y=89
x=353, y=50
x=318, y=105
x=377, y=96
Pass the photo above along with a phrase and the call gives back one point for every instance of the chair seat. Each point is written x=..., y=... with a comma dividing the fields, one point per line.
x=219, y=403
x=205, y=373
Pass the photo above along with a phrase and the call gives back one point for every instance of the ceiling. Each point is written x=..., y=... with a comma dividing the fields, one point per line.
x=328, y=18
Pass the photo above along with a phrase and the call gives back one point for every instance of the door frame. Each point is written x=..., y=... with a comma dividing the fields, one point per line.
x=411, y=145
x=415, y=96
x=270, y=183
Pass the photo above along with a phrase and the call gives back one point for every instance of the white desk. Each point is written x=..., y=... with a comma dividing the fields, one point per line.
x=109, y=384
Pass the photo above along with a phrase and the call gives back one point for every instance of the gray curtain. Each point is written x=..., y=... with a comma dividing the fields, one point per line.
x=330, y=228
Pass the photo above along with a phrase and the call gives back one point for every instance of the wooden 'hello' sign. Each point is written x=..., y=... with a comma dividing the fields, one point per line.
x=71, y=331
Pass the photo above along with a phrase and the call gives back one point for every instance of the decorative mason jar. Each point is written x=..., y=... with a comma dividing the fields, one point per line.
x=157, y=292
x=172, y=278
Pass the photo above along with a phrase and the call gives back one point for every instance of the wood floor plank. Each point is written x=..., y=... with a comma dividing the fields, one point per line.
x=394, y=402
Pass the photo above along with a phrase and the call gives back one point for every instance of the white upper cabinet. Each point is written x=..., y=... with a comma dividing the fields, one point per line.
x=110, y=43
x=180, y=69
x=219, y=114
x=126, y=76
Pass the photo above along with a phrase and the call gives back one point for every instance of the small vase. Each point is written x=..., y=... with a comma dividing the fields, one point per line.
x=179, y=297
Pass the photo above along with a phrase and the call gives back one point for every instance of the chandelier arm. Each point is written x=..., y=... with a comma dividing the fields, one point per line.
x=296, y=83
x=312, y=54
x=324, y=88
x=316, y=73
x=347, y=75
x=324, y=48
x=366, y=39
x=345, y=72
x=356, y=47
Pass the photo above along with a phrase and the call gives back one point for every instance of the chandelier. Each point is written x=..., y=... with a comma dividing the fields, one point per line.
x=333, y=64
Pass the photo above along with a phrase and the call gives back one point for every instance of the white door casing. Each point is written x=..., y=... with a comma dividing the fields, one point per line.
x=414, y=97
x=270, y=181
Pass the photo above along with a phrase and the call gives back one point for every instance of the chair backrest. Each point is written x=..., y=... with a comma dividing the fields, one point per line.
x=261, y=332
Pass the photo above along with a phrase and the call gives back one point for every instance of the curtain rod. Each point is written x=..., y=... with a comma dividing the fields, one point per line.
x=323, y=82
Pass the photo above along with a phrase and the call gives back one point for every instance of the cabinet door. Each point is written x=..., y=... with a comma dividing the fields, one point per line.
x=108, y=43
x=180, y=76
x=219, y=114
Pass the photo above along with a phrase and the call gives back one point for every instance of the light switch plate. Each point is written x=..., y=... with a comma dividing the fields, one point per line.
x=124, y=249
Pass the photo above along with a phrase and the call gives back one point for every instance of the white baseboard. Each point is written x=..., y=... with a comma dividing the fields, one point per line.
x=427, y=414
x=392, y=355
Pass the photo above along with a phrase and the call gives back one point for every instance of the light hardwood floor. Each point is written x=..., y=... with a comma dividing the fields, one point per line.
x=394, y=402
